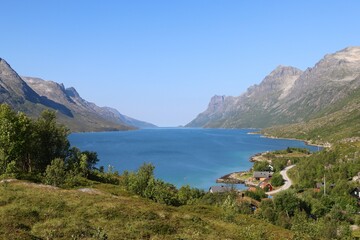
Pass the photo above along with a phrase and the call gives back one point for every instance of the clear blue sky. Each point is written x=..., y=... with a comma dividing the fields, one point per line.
x=162, y=61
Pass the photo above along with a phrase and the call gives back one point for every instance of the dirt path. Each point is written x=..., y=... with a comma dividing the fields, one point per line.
x=287, y=181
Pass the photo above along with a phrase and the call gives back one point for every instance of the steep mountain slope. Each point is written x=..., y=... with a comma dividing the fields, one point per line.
x=338, y=121
x=288, y=95
x=71, y=98
x=33, y=95
x=16, y=93
x=253, y=108
x=13, y=89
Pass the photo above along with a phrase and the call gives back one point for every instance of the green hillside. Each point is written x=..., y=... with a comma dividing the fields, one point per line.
x=336, y=122
x=32, y=211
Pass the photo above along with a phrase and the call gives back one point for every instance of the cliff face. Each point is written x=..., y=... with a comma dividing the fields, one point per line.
x=33, y=95
x=13, y=90
x=288, y=95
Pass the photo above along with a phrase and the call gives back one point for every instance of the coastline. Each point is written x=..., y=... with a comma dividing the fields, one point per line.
x=307, y=142
x=230, y=178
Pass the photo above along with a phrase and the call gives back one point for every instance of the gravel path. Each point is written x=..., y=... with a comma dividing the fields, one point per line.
x=287, y=181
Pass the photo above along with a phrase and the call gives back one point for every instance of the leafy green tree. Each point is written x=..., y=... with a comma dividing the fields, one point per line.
x=11, y=168
x=267, y=210
x=258, y=194
x=188, y=195
x=24, y=142
x=7, y=136
x=55, y=172
x=83, y=165
x=261, y=166
x=50, y=140
x=91, y=159
x=139, y=181
x=161, y=192
x=287, y=202
x=277, y=180
x=16, y=139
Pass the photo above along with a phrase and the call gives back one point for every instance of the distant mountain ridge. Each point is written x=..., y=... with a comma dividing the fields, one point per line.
x=32, y=95
x=288, y=95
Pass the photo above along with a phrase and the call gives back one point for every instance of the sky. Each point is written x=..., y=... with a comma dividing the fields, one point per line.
x=162, y=61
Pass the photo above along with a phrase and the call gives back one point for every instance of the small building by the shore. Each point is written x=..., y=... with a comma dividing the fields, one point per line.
x=219, y=189
x=262, y=175
x=266, y=186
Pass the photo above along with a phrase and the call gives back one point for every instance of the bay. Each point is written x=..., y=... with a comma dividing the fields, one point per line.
x=180, y=155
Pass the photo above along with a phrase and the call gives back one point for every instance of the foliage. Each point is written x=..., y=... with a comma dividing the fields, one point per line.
x=277, y=180
x=287, y=202
x=314, y=213
x=258, y=194
x=261, y=166
x=32, y=148
x=30, y=144
x=55, y=172
x=188, y=195
x=143, y=183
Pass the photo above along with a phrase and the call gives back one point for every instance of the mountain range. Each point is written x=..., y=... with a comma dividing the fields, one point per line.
x=325, y=95
x=33, y=95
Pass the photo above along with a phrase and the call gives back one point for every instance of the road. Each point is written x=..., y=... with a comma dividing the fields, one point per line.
x=287, y=181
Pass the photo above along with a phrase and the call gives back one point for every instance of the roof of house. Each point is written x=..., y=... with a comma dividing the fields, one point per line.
x=219, y=189
x=262, y=174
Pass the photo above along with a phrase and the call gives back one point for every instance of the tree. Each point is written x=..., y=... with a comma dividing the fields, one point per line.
x=55, y=172
x=16, y=139
x=277, y=180
x=287, y=202
x=139, y=181
x=50, y=140
x=261, y=166
x=7, y=135
x=188, y=195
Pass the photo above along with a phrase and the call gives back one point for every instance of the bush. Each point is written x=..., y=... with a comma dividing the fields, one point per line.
x=277, y=180
x=262, y=166
x=257, y=195
x=55, y=172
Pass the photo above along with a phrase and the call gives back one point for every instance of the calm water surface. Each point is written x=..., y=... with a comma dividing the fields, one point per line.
x=181, y=156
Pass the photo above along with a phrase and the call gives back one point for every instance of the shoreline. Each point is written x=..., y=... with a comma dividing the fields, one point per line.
x=230, y=177
x=307, y=142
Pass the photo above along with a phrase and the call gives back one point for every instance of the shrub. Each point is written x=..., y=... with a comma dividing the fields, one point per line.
x=55, y=172
x=277, y=180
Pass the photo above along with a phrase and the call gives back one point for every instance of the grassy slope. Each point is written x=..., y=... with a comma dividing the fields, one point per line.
x=336, y=122
x=30, y=211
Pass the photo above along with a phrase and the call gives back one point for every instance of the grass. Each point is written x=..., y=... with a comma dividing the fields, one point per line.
x=32, y=211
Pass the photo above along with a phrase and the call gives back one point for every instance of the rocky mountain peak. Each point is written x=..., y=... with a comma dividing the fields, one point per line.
x=216, y=102
x=5, y=68
x=279, y=81
x=349, y=54
x=71, y=92
x=281, y=71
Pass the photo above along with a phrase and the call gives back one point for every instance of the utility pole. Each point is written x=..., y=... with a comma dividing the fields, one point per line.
x=324, y=184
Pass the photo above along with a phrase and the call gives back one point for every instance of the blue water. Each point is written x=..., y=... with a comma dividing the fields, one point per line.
x=181, y=156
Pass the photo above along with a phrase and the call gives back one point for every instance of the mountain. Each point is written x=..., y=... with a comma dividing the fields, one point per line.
x=33, y=95
x=13, y=90
x=16, y=93
x=288, y=95
x=252, y=108
x=70, y=98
